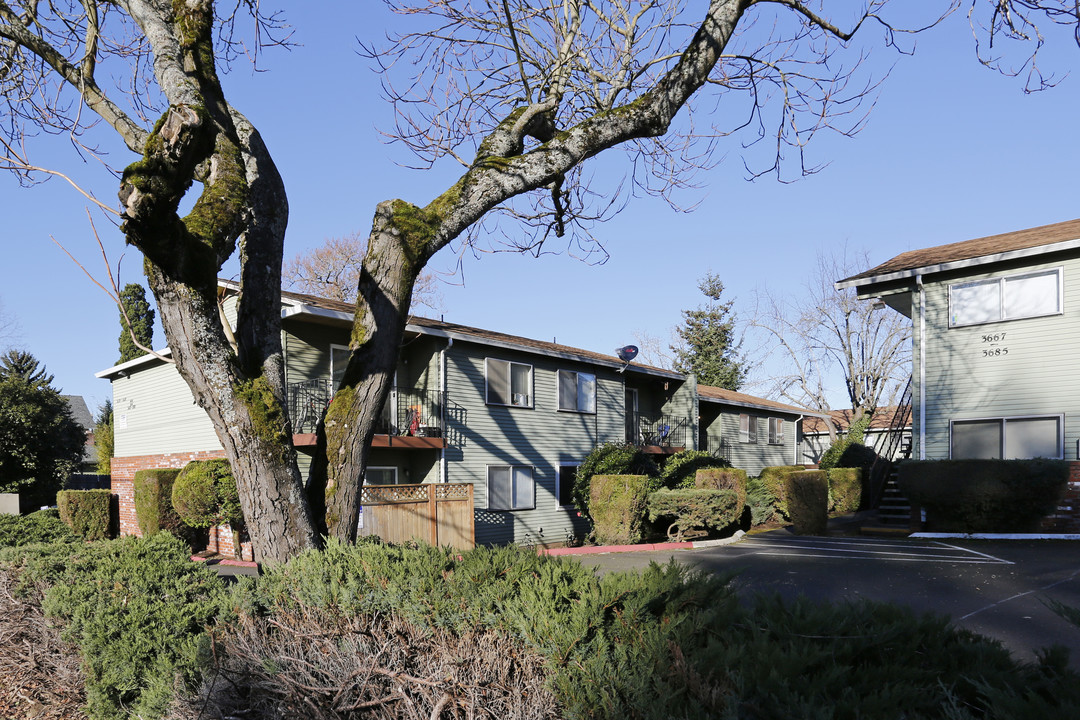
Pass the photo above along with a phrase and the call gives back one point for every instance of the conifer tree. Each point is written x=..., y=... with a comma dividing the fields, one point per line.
x=141, y=315
x=103, y=438
x=706, y=344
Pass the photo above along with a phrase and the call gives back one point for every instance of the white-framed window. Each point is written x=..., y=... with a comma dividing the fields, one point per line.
x=776, y=431
x=381, y=476
x=1009, y=297
x=510, y=487
x=339, y=360
x=1012, y=438
x=567, y=476
x=577, y=391
x=747, y=428
x=508, y=383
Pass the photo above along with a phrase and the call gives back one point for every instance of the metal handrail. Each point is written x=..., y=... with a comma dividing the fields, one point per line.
x=883, y=463
x=408, y=411
x=664, y=431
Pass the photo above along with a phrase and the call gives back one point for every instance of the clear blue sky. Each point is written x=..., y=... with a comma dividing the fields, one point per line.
x=952, y=151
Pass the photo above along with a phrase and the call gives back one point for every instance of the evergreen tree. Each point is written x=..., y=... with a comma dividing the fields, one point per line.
x=103, y=438
x=707, y=346
x=141, y=315
x=40, y=442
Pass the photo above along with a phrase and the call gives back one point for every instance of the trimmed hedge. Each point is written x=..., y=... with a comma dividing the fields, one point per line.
x=680, y=468
x=728, y=478
x=773, y=479
x=761, y=502
x=985, y=495
x=204, y=494
x=807, y=494
x=44, y=526
x=618, y=505
x=86, y=512
x=610, y=459
x=153, y=501
x=707, y=509
x=845, y=489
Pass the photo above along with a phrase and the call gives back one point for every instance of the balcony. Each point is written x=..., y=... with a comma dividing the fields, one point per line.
x=662, y=435
x=410, y=419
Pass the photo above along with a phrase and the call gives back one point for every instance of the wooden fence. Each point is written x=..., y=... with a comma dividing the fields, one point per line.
x=441, y=514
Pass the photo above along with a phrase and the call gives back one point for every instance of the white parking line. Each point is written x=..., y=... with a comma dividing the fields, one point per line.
x=939, y=552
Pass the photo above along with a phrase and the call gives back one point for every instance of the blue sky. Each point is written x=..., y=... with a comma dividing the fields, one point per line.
x=952, y=151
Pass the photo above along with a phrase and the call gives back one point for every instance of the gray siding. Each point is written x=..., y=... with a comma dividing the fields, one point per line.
x=1034, y=378
x=155, y=413
x=722, y=437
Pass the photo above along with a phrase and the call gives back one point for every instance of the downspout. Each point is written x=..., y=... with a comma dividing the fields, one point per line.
x=443, y=478
x=798, y=440
x=922, y=366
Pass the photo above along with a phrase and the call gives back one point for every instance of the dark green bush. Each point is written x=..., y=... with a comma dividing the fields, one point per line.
x=807, y=495
x=773, y=478
x=680, y=468
x=618, y=504
x=723, y=479
x=44, y=526
x=845, y=489
x=610, y=459
x=153, y=501
x=855, y=435
x=694, y=509
x=985, y=495
x=204, y=494
x=761, y=502
x=86, y=512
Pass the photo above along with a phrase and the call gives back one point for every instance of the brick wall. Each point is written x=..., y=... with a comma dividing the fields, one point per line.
x=123, y=479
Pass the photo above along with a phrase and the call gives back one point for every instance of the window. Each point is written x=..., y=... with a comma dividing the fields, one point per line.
x=748, y=428
x=776, y=431
x=508, y=383
x=1005, y=298
x=510, y=487
x=577, y=391
x=1009, y=438
x=380, y=476
x=567, y=478
x=339, y=358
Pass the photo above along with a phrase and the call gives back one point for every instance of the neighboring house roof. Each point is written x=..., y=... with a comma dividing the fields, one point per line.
x=80, y=411
x=882, y=420
x=709, y=393
x=1006, y=246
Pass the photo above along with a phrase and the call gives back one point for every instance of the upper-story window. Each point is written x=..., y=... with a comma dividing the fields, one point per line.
x=747, y=428
x=508, y=383
x=1005, y=298
x=776, y=431
x=577, y=391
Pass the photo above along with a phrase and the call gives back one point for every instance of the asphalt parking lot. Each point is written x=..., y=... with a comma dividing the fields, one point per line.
x=996, y=588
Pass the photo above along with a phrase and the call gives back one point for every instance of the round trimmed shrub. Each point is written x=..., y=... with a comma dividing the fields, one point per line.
x=680, y=468
x=610, y=459
x=204, y=494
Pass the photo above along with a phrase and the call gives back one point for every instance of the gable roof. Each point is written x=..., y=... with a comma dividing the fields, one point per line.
x=881, y=420
x=993, y=248
x=79, y=411
x=708, y=393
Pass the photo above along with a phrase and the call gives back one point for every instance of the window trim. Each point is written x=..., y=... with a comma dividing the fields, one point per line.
x=333, y=347
x=381, y=467
x=749, y=435
x=559, y=480
x=1001, y=280
x=512, y=468
x=510, y=383
x=1004, y=420
x=776, y=438
x=577, y=384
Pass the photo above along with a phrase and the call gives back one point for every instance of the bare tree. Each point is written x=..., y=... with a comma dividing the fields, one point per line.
x=520, y=94
x=827, y=332
x=9, y=328
x=332, y=270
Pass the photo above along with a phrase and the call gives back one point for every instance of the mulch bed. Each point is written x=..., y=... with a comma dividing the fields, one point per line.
x=40, y=677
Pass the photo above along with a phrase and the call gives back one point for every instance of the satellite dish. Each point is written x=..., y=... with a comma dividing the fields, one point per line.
x=627, y=353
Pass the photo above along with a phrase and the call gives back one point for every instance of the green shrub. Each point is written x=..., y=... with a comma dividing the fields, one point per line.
x=695, y=508
x=855, y=435
x=153, y=501
x=728, y=478
x=773, y=478
x=761, y=502
x=845, y=489
x=610, y=459
x=86, y=512
x=44, y=526
x=807, y=495
x=680, y=468
x=985, y=495
x=618, y=504
x=204, y=494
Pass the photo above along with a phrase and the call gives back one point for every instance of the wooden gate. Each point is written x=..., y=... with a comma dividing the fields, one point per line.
x=440, y=514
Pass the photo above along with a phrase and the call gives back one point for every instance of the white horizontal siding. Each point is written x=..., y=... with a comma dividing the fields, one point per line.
x=154, y=413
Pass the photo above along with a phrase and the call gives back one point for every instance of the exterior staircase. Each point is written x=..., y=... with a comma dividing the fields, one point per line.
x=893, y=509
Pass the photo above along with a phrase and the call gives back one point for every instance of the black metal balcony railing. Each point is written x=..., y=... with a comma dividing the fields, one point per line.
x=407, y=411
x=664, y=431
